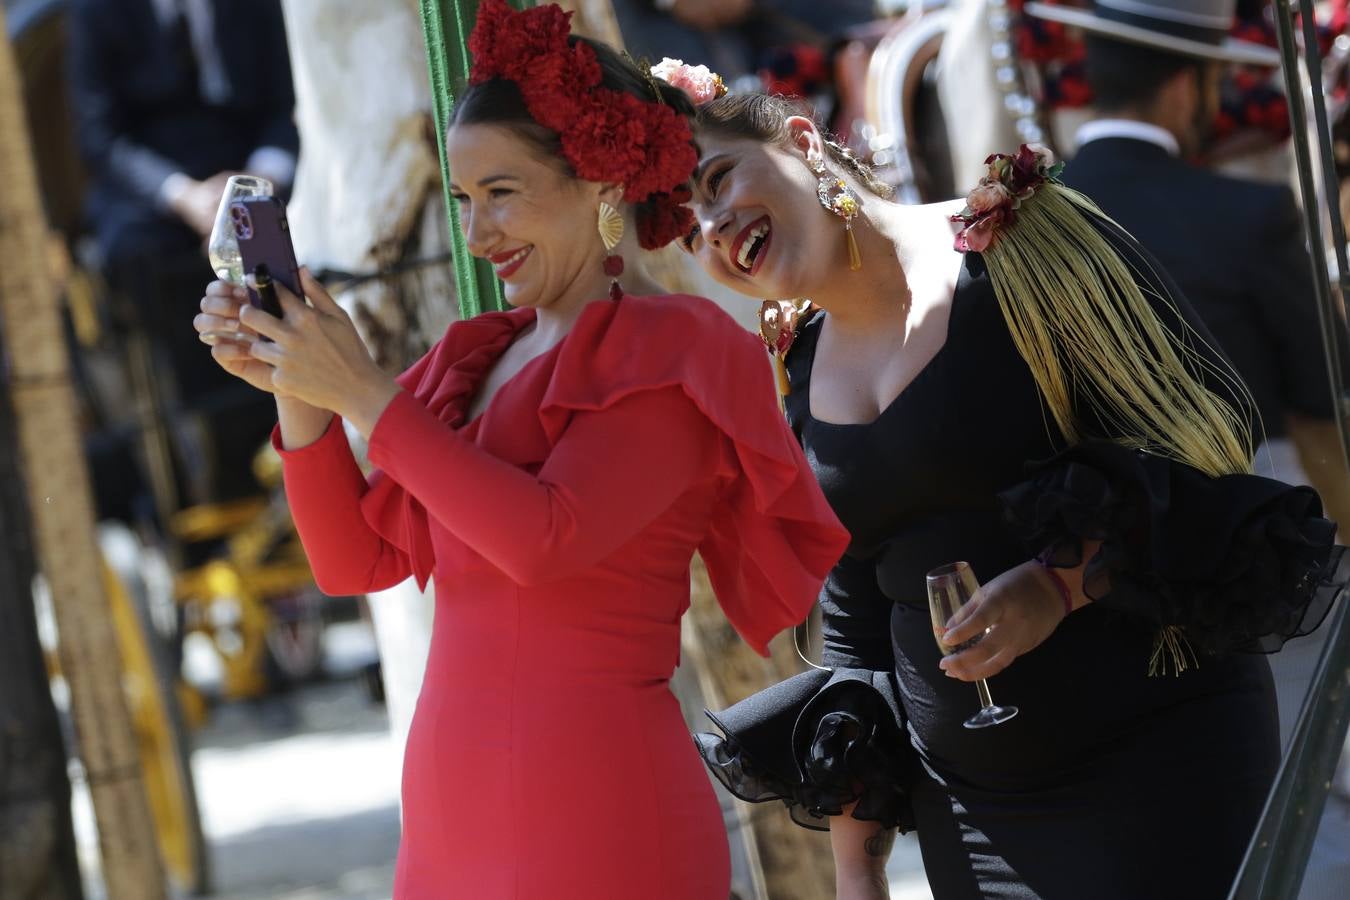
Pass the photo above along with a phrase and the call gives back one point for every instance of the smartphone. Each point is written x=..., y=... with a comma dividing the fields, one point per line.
x=265, y=241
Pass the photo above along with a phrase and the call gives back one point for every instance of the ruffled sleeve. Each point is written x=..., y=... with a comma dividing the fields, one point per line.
x=773, y=540
x=1238, y=562
x=818, y=742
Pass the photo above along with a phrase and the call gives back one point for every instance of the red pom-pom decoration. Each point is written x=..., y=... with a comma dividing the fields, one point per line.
x=606, y=135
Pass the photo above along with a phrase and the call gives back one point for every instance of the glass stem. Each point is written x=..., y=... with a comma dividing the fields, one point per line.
x=982, y=686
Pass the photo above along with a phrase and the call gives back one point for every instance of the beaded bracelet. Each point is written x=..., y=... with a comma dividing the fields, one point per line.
x=1059, y=583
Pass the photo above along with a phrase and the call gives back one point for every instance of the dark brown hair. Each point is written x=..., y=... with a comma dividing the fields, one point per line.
x=763, y=118
x=1123, y=75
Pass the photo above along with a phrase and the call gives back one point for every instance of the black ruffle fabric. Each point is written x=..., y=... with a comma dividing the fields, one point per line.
x=1238, y=562
x=818, y=741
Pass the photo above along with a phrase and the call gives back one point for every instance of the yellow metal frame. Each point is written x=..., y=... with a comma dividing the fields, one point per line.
x=161, y=761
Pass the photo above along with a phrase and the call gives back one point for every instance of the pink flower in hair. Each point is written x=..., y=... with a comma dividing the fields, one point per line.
x=1011, y=181
x=699, y=82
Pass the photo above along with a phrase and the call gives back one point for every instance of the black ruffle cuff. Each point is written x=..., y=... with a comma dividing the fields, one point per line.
x=1238, y=562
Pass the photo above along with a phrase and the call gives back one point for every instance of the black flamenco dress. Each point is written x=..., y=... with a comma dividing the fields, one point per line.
x=1110, y=783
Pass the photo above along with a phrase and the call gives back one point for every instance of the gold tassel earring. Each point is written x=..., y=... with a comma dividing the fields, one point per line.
x=610, y=225
x=837, y=197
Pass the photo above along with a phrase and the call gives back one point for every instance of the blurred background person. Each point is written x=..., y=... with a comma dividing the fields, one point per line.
x=786, y=46
x=170, y=98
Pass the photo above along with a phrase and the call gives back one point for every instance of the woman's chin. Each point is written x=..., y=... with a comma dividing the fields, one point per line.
x=519, y=295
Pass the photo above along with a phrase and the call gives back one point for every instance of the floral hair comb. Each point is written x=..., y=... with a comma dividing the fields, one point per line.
x=700, y=83
x=992, y=206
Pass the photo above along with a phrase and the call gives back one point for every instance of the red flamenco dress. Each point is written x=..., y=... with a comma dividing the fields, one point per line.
x=548, y=757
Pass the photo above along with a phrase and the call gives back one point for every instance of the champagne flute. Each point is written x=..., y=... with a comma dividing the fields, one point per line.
x=222, y=248
x=949, y=588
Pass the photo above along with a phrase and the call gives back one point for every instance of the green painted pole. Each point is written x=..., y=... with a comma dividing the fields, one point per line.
x=1278, y=854
x=446, y=25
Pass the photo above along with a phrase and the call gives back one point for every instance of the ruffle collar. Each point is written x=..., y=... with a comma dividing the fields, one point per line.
x=776, y=537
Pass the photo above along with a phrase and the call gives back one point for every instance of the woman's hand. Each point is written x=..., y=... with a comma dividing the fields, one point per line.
x=316, y=356
x=1016, y=612
x=220, y=313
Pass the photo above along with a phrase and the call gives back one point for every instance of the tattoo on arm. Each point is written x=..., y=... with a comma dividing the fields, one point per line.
x=880, y=844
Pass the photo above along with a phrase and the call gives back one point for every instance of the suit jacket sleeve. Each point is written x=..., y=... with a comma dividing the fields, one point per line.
x=100, y=114
x=1282, y=289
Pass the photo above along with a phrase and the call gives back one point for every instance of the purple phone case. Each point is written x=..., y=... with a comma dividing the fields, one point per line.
x=265, y=237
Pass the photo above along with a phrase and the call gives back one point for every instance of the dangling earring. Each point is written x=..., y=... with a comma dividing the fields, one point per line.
x=611, y=233
x=837, y=197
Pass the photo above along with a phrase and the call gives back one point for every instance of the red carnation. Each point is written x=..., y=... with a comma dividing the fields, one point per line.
x=555, y=86
x=504, y=40
x=605, y=142
x=670, y=153
x=664, y=219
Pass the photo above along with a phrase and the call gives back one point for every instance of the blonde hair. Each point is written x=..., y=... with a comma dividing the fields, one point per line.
x=1078, y=313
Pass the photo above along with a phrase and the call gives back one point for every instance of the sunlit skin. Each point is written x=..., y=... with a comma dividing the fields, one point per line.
x=883, y=325
x=519, y=209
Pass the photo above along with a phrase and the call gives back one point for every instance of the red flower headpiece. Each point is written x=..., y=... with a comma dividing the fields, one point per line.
x=992, y=206
x=606, y=135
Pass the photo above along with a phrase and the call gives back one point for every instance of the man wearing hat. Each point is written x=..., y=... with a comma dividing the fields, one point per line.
x=1236, y=248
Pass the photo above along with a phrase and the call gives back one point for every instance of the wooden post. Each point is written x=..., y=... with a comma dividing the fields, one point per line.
x=58, y=494
x=37, y=841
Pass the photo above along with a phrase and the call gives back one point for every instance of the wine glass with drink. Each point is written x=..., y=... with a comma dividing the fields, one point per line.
x=951, y=587
x=222, y=248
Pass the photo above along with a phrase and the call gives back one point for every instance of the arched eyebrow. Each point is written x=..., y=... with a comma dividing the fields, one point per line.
x=488, y=181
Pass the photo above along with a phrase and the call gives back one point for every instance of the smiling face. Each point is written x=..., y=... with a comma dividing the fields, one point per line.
x=523, y=213
x=761, y=230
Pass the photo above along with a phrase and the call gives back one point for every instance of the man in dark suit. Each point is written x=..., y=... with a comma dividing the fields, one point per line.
x=170, y=98
x=1237, y=250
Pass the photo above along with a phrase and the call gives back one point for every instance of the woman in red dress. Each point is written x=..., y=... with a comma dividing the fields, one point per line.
x=555, y=468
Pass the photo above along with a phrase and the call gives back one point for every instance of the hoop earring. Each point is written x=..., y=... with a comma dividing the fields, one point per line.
x=610, y=225
x=836, y=196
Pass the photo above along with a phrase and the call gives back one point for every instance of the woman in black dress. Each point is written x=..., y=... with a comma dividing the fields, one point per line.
x=1051, y=411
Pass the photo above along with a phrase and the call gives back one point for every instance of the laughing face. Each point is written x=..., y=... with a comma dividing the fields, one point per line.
x=520, y=211
x=760, y=229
